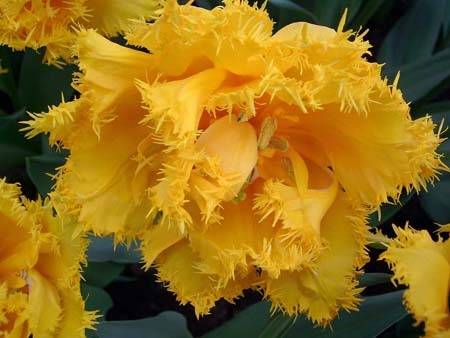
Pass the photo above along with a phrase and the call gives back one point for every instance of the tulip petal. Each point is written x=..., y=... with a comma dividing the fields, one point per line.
x=422, y=264
x=44, y=305
x=177, y=269
x=329, y=284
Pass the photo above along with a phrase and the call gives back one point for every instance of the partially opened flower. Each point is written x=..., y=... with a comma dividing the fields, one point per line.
x=423, y=265
x=52, y=24
x=240, y=158
x=39, y=271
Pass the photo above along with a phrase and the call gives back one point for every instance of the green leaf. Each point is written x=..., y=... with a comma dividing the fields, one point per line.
x=371, y=279
x=96, y=298
x=329, y=13
x=102, y=273
x=247, y=323
x=101, y=249
x=418, y=78
x=168, y=324
x=40, y=169
x=14, y=147
x=375, y=314
x=406, y=328
x=278, y=326
x=436, y=201
x=413, y=37
x=284, y=12
x=446, y=22
x=368, y=10
x=41, y=85
x=388, y=210
x=7, y=81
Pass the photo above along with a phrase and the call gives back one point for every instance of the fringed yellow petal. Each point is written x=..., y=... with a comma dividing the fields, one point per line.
x=177, y=269
x=19, y=248
x=299, y=202
x=59, y=122
x=229, y=37
x=45, y=307
x=329, y=284
x=175, y=107
x=226, y=249
x=62, y=250
x=74, y=320
x=13, y=313
x=423, y=265
x=115, y=16
x=39, y=24
x=118, y=208
x=402, y=155
x=54, y=24
x=109, y=72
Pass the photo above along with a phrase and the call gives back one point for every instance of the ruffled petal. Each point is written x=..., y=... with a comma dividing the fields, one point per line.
x=393, y=151
x=204, y=37
x=61, y=249
x=328, y=284
x=109, y=72
x=177, y=269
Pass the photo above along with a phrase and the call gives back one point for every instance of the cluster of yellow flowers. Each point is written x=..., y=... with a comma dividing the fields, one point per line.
x=238, y=157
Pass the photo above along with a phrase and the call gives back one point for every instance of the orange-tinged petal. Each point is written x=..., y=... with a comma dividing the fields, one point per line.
x=228, y=165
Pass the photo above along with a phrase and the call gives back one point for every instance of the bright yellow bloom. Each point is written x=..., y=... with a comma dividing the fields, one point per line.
x=40, y=260
x=53, y=23
x=239, y=158
x=424, y=266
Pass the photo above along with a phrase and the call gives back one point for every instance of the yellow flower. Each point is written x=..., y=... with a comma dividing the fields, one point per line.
x=53, y=24
x=39, y=271
x=423, y=265
x=240, y=158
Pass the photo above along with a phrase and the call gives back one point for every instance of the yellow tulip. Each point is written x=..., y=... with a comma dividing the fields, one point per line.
x=53, y=24
x=240, y=158
x=40, y=261
x=423, y=265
